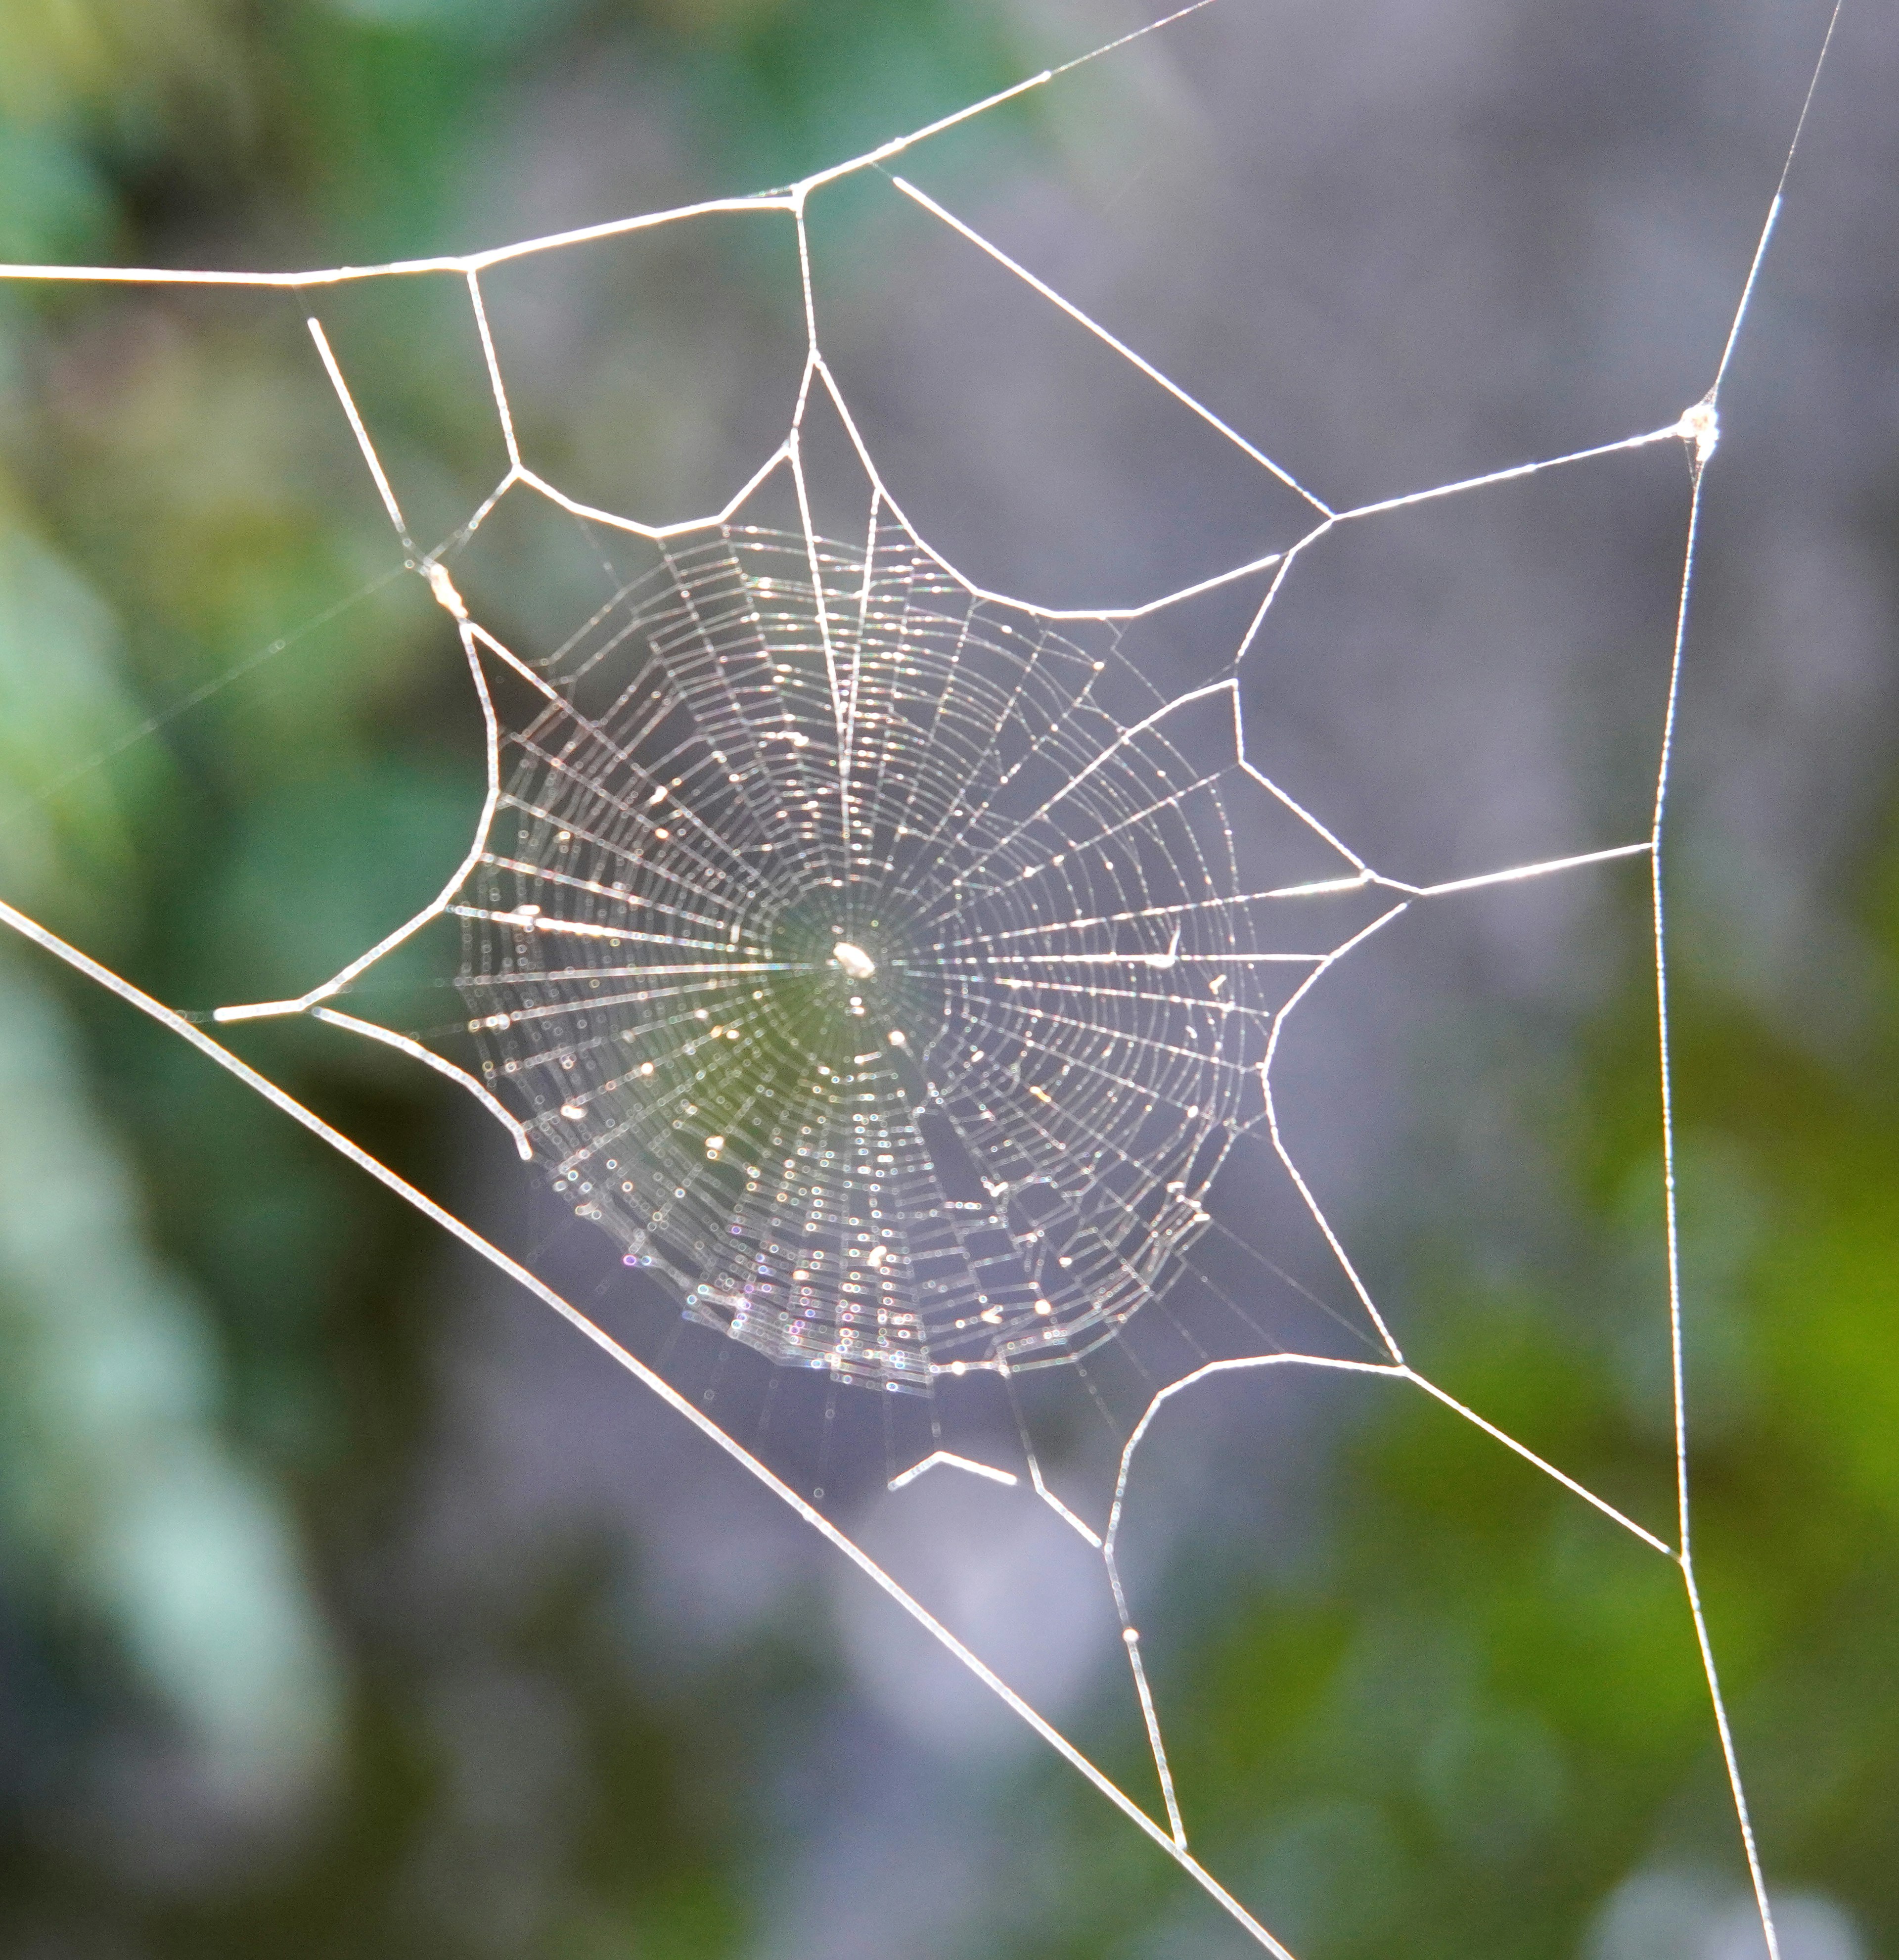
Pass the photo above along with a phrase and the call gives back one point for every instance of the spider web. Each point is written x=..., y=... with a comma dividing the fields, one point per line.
x=895, y=973
x=862, y=972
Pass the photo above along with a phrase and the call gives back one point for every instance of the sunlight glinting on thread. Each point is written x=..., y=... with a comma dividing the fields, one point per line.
x=1085, y=1030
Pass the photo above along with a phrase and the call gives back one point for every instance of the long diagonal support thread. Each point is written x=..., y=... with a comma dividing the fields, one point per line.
x=1094, y=961
x=30, y=929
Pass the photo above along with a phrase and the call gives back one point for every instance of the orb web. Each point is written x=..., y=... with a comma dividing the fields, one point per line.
x=862, y=971
x=891, y=968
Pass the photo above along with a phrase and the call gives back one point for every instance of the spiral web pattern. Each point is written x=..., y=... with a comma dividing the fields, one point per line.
x=892, y=968
x=864, y=974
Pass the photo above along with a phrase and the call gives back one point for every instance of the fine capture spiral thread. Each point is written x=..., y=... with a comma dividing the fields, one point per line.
x=867, y=977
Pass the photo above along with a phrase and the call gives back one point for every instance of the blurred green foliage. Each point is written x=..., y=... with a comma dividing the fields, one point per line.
x=1456, y=1734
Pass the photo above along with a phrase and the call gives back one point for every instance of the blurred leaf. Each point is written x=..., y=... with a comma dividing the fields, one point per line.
x=53, y=204
x=120, y=1496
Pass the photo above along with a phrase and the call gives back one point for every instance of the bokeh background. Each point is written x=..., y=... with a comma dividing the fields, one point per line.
x=349, y=1605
